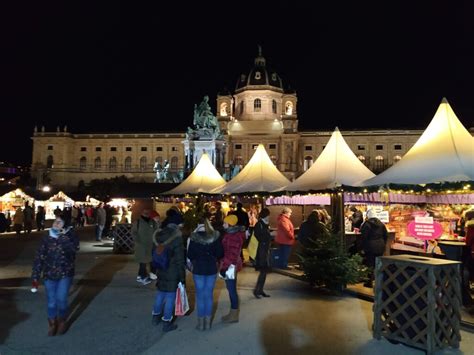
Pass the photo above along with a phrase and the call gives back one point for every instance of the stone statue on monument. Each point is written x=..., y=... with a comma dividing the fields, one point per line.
x=204, y=122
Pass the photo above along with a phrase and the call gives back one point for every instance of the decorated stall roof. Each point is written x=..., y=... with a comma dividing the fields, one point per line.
x=203, y=179
x=444, y=152
x=61, y=197
x=337, y=165
x=259, y=175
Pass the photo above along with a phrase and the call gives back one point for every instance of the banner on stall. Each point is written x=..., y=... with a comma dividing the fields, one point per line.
x=425, y=228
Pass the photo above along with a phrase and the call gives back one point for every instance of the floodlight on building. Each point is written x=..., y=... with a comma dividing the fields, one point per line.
x=46, y=188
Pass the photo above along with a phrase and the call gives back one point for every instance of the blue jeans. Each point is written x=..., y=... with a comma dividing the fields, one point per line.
x=164, y=304
x=98, y=232
x=57, y=292
x=232, y=288
x=204, y=286
x=285, y=251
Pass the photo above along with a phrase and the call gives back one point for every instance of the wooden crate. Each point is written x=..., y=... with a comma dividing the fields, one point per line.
x=123, y=240
x=417, y=301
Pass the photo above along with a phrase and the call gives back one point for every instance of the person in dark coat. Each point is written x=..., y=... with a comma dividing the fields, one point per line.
x=311, y=229
x=40, y=218
x=204, y=251
x=168, y=280
x=262, y=259
x=3, y=223
x=357, y=218
x=373, y=240
x=55, y=262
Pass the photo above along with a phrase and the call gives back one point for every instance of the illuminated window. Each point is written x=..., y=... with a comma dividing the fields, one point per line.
x=223, y=109
x=361, y=158
x=49, y=162
x=254, y=146
x=97, y=163
x=50, y=147
x=113, y=163
x=379, y=163
x=257, y=105
x=360, y=147
x=128, y=164
x=396, y=158
x=143, y=163
x=308, y=162
x=83, y=163
x=289, y=108
x=258, y=75
x=397, y=147
x=274, y=106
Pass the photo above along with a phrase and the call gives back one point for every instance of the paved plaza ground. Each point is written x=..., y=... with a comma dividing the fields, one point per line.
x=111, y=313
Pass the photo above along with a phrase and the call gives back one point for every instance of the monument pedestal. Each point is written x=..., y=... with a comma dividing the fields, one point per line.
x=194, y=149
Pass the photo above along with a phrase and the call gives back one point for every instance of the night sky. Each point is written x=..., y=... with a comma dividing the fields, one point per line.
x=142, y=67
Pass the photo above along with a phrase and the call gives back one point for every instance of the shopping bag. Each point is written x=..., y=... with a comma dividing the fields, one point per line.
x=181, y=305
x=253, y=246
x=230, y=273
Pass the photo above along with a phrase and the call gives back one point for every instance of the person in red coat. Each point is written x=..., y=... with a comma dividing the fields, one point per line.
x=232, y=263
x=285, y=236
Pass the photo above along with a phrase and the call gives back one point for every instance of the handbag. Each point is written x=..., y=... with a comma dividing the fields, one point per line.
x=181, y=304
x=253, y=246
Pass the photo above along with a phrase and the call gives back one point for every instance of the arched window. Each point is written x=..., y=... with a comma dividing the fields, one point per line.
x=308, y=162
x=257, y=105
x=83, y=163
x=396, y=159
x=97, y=163
x=143, y=163
x=379, y=163
x=128, y=164
x=174, y=163
x=223, y=109
x=274, y=159
x=274, y=106
x=289, y=108
x=113, y=163
x=159, y=160
x=49, y=162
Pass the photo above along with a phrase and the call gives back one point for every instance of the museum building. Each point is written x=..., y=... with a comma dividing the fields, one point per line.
x=260, y=110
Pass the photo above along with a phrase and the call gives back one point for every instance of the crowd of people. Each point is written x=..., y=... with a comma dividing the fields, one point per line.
x=212, y=250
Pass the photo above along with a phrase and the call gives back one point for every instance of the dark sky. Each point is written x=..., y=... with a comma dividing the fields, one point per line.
x=139, y=67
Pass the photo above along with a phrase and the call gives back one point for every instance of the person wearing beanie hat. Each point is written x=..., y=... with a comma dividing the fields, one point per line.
x=231, y=263
x=262, y=259
x=55, y=262
x=285, y=236
x=373, y=240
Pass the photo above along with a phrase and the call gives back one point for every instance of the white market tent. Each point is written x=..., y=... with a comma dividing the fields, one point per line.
x=259, y=175
x=337, y=165
x=203, y=179
x=443, y=153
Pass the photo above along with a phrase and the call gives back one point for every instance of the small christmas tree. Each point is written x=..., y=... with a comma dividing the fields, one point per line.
x=326, y=263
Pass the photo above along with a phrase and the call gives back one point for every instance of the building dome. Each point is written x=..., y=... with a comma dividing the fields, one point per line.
x=259, y=77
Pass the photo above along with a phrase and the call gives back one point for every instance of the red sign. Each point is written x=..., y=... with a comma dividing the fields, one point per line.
x=425, y=228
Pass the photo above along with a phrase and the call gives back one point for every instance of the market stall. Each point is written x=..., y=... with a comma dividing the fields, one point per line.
x=13, y=199
x=59, y=200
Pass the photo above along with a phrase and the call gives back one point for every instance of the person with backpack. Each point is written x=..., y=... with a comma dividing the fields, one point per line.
x=204, y=251
x=142, y=231
x=170, y=273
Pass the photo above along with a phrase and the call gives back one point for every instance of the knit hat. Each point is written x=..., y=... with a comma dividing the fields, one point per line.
x=371, y=214
x=231, y=219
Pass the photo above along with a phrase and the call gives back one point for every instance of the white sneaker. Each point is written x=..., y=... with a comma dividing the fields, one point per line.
x=152, y=276
x=145, y=281
x=139, y=279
